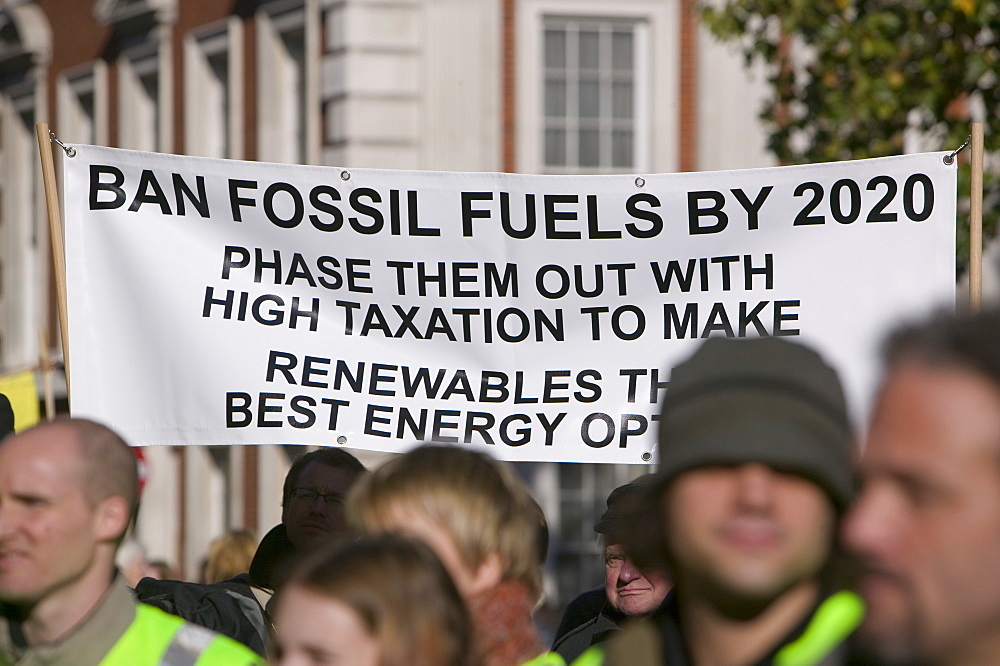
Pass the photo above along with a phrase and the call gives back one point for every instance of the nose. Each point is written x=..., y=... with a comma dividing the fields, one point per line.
x=318, y=505
x=755, y=487
x=868, y=527
x=628, y=572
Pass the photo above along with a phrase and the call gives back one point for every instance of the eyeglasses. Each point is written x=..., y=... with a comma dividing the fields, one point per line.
x=309, y=496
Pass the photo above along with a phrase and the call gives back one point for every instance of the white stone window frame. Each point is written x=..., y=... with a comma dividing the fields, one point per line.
x=145, y=29
x=572, y=122
x=76, y=125
x=213, y=109
x=23, y=228
x=144, y=122
x=288, y=101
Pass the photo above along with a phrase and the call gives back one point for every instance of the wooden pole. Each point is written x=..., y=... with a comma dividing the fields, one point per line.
x=55, y=236
x=976, y=221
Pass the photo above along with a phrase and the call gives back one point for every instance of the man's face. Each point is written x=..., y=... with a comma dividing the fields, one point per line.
x=48, y=529
x=745, y=534
x=630, y=590
x=927, y=522
x=310, y=520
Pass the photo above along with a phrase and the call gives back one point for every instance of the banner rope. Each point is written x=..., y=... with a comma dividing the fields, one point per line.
x=950, y=157
x=71, y=151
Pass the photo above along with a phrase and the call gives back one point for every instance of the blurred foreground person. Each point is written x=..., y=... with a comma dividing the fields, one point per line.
x=380, y=601
x=483, y=524
x=755, y=469
x=927, y=521
x=628, y=592
x=67, y=493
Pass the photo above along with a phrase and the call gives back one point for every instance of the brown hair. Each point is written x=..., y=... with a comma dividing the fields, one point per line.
x=229, y=555
x=401, y=592
x=966, y=340
x=480, y=502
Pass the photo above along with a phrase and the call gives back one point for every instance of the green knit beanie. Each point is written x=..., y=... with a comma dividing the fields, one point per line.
x=764, y=400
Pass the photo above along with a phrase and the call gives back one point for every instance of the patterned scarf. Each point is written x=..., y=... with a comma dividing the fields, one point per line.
x=501, y=620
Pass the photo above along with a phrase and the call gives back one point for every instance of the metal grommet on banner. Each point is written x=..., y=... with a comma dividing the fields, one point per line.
x=69, y=150
x=639, y=181
x=345, y=175
x=342, y=439
x=646, y=456
x=950, y=157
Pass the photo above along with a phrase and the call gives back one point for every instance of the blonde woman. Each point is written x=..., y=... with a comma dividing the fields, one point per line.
x=480, y=520
x=229, y=556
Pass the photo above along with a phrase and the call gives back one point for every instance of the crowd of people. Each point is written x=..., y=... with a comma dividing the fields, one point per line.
x=771, y=533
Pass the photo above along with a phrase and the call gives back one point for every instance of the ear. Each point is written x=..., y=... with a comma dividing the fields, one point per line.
x=112, y=516
x=488, y=574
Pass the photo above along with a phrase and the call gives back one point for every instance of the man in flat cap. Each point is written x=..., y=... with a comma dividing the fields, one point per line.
x=628, y=592
x=755, y=471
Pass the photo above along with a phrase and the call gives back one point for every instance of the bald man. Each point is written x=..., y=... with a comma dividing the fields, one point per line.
x=68, y=490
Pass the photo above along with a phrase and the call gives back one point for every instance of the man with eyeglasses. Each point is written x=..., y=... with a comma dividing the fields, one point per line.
x=312, y=505
x=312, y=510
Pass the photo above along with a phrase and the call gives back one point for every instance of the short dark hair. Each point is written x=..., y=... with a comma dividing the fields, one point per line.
x=969, y=340
x=337, y=458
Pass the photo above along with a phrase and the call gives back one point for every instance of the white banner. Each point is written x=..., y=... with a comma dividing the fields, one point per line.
x=537, y=317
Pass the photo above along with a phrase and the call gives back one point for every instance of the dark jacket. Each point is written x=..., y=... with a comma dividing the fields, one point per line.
x=593, y=631
x=237, y=607
x=582, y=609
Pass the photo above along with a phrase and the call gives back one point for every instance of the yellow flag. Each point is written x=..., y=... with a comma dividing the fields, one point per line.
x=23, y=395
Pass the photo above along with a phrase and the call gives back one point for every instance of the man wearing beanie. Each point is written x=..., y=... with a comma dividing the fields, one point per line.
x=754, y=473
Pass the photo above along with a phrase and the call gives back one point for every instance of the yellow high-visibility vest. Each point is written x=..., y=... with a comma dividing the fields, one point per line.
x=156, y=637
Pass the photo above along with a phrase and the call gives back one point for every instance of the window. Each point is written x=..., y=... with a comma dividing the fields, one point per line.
x=288, y=103
x=589, y=95
x=19, y=222
x=83, y=105
x=213, y=91
x=24, y=43
x=139, y=101
x=144, y=100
